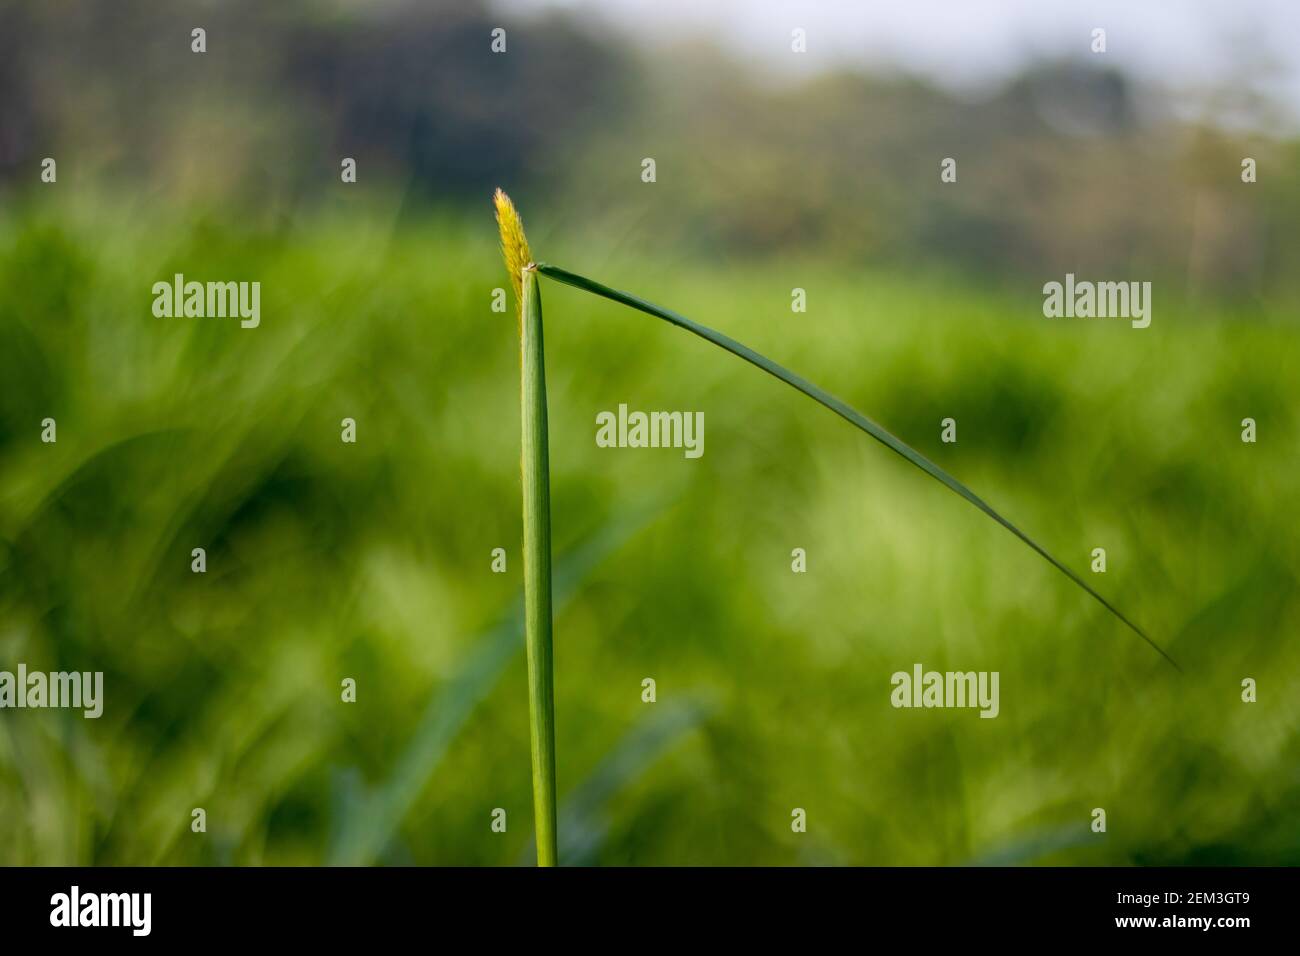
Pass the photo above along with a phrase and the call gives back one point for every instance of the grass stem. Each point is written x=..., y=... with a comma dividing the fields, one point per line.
x=535, y=466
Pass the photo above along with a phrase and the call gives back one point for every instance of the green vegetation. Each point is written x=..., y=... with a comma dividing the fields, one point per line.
x=372, y=561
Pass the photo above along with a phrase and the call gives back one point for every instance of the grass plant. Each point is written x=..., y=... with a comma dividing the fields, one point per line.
x=524, y=272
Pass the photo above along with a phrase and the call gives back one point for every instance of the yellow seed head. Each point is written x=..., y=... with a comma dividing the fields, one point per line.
x=514, y=244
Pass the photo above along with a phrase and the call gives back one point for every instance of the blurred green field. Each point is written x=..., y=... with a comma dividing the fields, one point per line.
x=372, y=561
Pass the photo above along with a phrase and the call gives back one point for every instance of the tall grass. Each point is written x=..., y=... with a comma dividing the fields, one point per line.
x=349, y=560
x=535, y=469
x=536, y=488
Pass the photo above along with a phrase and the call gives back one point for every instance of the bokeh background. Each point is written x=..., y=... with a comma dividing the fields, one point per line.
x=775, y=170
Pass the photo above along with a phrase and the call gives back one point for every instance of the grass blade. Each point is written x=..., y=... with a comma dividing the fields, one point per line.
x=849, y=414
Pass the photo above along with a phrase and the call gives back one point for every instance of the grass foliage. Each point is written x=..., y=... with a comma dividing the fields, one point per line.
x=372, y=561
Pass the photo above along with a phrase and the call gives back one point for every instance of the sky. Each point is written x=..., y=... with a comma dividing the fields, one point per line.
x=1190, y=46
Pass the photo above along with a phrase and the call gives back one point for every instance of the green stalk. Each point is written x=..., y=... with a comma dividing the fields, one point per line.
x=537, y=565
x=849, y=414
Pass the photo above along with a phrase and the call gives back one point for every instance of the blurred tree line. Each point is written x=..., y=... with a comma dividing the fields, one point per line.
x=1070, y=167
